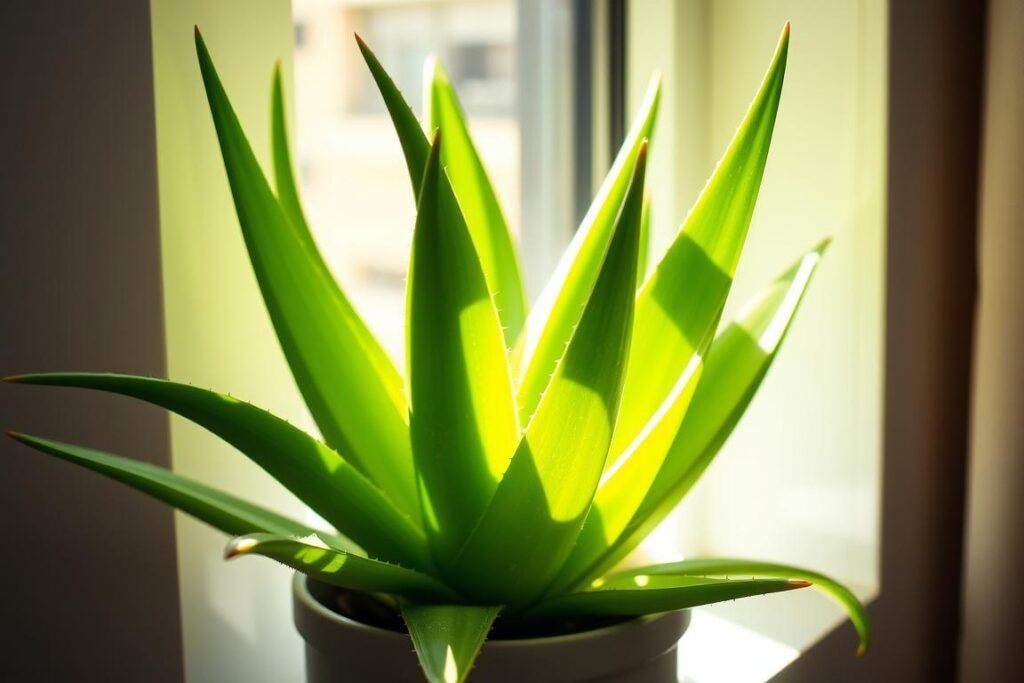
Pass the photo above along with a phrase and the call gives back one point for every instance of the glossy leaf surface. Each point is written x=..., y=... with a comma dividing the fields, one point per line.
x=532, y=522
x=447, y=638
x=349, y=384
x=315, y=473
x=557, y=311
x=312, y=556
x=463, y=419
x=736, y=364
x=478, y=200
x=679, y=304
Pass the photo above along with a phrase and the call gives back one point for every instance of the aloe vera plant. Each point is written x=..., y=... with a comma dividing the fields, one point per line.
x=524, y=454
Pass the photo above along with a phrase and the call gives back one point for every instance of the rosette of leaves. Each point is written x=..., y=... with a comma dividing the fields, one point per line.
x=526, y=452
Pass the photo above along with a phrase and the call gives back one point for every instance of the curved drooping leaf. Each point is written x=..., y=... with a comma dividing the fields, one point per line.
x=557, y=311
x=649, y=594
x=315, y=473
x=679, y=304
x=218, y=509
x=468, y=179
x=733, y=567
x=350, y=386
x=477, y=198
x=463, y=418
x=312, y=556
x=447, y=638
x=536, y=513
x=736, y=364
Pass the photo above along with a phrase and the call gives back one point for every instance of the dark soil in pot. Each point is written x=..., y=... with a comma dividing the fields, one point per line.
x=354, y=637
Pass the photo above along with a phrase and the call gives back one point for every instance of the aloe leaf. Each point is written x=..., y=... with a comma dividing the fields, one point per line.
x=648, y=594
x=478, y=200
x=315, y=473
x=415, y=145
x=284, y=171
x=557, y=311
x=314, y=557
x=447, y=638
x=680, y=302
x=350, y=386
x=463, y=417
x=629, y=475
x=476, y=196
x=736, y=364
x=645, y=241
x=218, y=509
x=532, y=522
x=732, y=567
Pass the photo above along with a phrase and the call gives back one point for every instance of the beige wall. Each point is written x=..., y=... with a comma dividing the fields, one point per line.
x=993, y=613
x=236, y=617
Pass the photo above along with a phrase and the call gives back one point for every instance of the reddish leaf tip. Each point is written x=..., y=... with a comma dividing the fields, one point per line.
x=239, y=546
x=798, y=583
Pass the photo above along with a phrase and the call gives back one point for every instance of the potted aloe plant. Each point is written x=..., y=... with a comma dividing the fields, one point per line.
x=497, y=487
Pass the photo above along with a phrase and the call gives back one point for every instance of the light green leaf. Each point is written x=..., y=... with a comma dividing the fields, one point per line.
x=679, y=304
x=477, y=198
x=532, y=522
x=312, y=556
x=349, y=384
x=448, y=638
x=629, y=475
x=284, y=173
x=218, y=509
x=558, y=309
x=469, y=180
x=733, y=568
x=415, y=145
x=734, y=368
x=649, y=594
x=463, y=417
x=311, y=470
x=645, y=241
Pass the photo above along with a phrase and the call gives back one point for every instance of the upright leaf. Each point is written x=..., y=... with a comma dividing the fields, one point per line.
x=561, y=303
x=648, y=594
x=645, y=241
x=679, y=303
x=735, y=568
x=316, y=474
x=415, y=145
x=313, y=557
x=736, y=364
x=447, y=638
x=352, y=389
x=477, y=198
x=471, y=185
x=463, y=417
x=218, y=509
x=630, y=474
x=532, y=522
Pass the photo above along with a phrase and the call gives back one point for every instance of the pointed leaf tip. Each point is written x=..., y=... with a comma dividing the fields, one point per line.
x=239, y=546
x=799, y=583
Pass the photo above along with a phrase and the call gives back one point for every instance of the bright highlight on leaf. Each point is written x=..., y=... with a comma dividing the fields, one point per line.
x=525, y=454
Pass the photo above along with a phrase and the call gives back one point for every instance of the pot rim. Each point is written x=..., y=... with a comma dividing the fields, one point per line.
x=301, y=588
